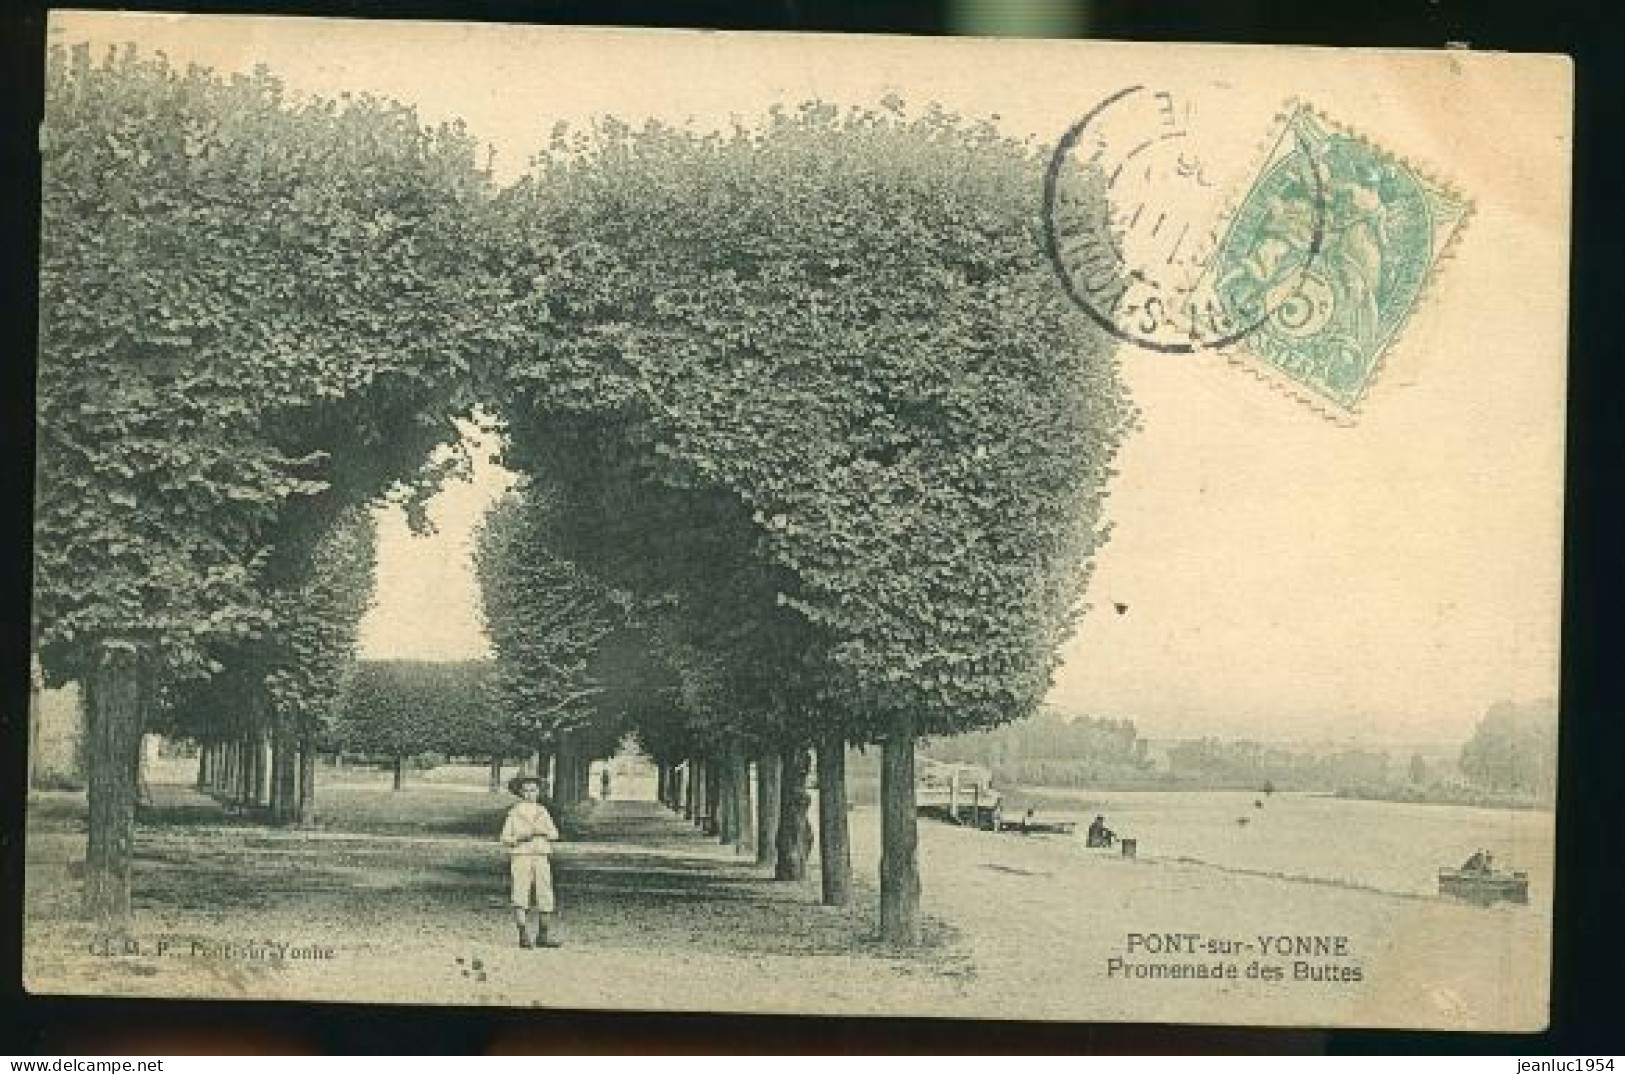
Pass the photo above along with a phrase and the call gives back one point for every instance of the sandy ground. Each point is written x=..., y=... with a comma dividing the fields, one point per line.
x=407, y=904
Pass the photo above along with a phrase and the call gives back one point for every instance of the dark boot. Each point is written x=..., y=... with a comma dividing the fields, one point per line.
x=544, y=937
x=524, y=937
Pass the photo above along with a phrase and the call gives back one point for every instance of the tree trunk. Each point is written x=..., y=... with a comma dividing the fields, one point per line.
x=284, y=771
x=290, y=777
x=249, y=787
x=834, y=841
x=744, y=839
x=564, y=794
x=35, y=685
x=713, y=796
x=267, y=769
x=202, y=783
x=701, y=781
x=899, y=837
x=768, y=768
x=276, y=803
x=689, y=782
x=727, y=823
x=143, y=789
x=795, y=830
x=307, y=781
x=400, y=773
x=118, y=694
x=256, y=770
x=494, y=784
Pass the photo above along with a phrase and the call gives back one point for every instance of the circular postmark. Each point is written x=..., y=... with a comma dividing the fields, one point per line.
x=1135, y=226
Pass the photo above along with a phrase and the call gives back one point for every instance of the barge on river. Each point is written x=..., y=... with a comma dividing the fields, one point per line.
x=957, y=793
x=1484, y=887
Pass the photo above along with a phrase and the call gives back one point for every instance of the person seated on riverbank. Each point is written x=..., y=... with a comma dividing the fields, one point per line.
x=1099, y=835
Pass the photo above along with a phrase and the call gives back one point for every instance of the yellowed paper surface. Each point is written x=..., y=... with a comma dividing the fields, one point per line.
x=1338, y=298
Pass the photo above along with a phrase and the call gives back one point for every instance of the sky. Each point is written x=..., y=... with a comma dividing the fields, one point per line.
x=1282, y=577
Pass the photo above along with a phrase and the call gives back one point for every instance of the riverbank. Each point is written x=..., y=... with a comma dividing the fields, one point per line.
x=409, y=906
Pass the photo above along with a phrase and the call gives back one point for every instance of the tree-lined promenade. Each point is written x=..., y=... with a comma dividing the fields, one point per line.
x=811, y=448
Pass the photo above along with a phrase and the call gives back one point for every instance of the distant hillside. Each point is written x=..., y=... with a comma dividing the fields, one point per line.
x=1509, y=761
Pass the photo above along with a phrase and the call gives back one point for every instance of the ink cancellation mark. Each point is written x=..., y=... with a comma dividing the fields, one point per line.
x=1306, y=282
x=1131, y=218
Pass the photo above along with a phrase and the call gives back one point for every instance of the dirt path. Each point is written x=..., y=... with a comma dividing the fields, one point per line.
x=1040, y=916
x=654, y=916
x=408, y=900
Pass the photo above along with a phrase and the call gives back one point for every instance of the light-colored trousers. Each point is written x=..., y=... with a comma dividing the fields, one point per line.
x=532, y=872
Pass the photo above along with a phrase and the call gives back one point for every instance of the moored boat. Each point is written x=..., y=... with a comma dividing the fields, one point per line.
x=1484, y=887
x=961, y=793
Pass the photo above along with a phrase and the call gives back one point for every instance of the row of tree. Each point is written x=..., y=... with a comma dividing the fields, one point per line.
x=1055, y=749
x=1244, y=763
x=1513, y=750
x=811, y=446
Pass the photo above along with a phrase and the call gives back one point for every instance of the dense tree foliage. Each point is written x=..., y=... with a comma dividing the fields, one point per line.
x=252, y=321
x=1514, y=750
x=1216, y=762
x=811, y=380
x=400, y=708
x=233, y=284
x=841, y=321
x=812, y=443
x=546, y=618
x=314, y=627
x=1050, y=748
x=284, y=684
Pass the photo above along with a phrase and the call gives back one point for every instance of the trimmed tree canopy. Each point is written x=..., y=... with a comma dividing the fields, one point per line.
x=404, y=707
x=233, y=285
x=842, y=322
x=804, y=396
x=546, y=619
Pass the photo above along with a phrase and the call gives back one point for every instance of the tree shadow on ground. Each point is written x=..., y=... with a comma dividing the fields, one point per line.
x=647, y=878
x=421, y=811
x=640, y=878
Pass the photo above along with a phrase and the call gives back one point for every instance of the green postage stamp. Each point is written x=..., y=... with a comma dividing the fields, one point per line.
x=1328, y=255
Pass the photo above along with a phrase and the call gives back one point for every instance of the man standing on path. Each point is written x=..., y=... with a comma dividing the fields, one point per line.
x=528, y=833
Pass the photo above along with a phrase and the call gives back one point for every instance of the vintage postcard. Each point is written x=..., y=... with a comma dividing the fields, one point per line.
x=687, y=521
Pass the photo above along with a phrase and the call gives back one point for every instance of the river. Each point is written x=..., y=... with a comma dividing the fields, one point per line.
x=1395, y=847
